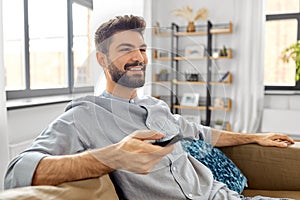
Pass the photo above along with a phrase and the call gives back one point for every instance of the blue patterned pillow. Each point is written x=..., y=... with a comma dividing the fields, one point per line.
x=222, y=168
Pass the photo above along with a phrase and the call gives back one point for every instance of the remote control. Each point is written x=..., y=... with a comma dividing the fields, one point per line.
x=166, y=141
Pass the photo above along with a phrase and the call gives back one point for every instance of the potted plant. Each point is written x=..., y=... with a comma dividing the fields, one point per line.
x=188, y=14
x=163, y=75
x=293, y=53
x=218, y=124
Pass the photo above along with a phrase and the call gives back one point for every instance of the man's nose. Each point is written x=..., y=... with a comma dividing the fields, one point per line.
x=138, y=56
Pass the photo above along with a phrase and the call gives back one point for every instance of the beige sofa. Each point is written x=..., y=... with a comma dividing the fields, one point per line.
x=270, y=172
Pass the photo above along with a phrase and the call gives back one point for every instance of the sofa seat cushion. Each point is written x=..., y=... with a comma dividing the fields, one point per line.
x=272, y=193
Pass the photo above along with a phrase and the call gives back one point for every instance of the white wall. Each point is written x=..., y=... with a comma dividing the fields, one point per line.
x=282, y=114
x=27, y=123
x=222, y=13
x=3, y=128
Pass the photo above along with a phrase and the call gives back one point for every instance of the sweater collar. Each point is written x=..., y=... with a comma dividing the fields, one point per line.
x=110, y=96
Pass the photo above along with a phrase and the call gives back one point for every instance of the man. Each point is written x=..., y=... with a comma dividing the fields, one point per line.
x=112, y=133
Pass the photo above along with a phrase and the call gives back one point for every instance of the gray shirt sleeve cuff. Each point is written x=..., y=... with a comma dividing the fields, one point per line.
x=24, y=170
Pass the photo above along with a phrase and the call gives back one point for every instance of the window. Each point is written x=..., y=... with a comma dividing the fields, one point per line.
x=282, y=30
x=46, y=47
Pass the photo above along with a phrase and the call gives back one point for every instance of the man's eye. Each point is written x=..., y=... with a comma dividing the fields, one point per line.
x=142, y=50
x=126, y=49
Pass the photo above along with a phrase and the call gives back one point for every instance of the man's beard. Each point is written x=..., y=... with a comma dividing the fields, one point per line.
x=122, y=78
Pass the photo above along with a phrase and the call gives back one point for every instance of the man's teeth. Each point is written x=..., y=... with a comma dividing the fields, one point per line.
x=135, y=69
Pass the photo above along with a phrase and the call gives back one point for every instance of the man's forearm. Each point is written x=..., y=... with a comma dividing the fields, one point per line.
x=222, y=138
x=54, y=170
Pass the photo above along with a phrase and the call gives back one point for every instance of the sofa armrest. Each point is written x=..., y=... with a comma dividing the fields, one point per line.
x=95, y=188
x=267, y=168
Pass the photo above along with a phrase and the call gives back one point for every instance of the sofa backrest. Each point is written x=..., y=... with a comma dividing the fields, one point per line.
x=268, y=168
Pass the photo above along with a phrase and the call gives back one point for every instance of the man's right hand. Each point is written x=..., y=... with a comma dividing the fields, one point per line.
x=133, y=153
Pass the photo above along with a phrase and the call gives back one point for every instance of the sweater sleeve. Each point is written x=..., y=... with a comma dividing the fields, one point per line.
x=60, y=138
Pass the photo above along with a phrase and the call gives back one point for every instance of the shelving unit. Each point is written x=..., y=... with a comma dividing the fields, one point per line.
x=175, y=33
x=208, y=83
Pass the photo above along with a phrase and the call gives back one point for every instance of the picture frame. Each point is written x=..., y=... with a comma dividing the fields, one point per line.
x=161, y=54
x=192, y=118
x=190, y=99
x=194, y=51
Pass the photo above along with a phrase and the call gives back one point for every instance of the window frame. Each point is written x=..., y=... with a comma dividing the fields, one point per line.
x=70, y=89
x=284, y=16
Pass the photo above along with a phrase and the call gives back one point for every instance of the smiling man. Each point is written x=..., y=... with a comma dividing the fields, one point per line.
x=113, y=133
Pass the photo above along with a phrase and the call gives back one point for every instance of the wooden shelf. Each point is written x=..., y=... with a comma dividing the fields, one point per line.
x=162, y=34
x=213, y=31
x=189, y=82
x=228, y=81
x=190, y=58
x=229, y=56
x=190, y=107
x=218, y=29
x=226, y=30
x=183, y=58
x=162, y=58
x=221, y=109
x=228, y=108
x=203, y=107
x=190, y=33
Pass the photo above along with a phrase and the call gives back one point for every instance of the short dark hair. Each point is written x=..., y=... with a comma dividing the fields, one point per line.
x=115, y=25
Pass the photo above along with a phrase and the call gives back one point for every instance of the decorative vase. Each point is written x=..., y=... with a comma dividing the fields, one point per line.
x=191, y=27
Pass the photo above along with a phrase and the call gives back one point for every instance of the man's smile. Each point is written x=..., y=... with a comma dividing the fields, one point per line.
x=136, y=66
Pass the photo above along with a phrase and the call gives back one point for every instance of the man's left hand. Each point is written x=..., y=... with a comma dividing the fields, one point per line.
x=274, y=139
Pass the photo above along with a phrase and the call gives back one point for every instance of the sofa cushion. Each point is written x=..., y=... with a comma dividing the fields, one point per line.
x=222, y=168
x=268, y=168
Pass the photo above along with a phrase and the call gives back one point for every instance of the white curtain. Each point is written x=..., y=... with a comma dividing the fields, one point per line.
x=3, y=127
x=248, y=82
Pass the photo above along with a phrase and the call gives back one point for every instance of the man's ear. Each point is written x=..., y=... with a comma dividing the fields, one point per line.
x=101, y=58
